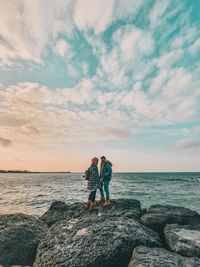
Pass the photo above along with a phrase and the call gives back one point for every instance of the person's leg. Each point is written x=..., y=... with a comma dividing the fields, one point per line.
x=101, y=191
x=106, y=185
x=89, y=200
x=106, y=188
x=102, y=198
x=90, y=196
x=93, y=196
x=93, y=199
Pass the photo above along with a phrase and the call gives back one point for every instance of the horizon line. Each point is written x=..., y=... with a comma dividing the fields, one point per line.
x=26, y=171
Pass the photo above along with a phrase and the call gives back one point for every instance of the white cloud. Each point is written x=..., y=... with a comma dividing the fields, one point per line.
x=29, y=129
x=30, y=109
x=63, y=114
x=196, y=129
x=185, y=37
x=85, y=68
x=106, y=98
x=136, y=41
x=114, y=72
x=157, y=13
x=99, y=14
x=61, y=47
x=72, y=71
x=159, y=80
x=28, y=26
x=126, y=7
x=195, y=47
x=187, y=143
x=142, y=68
x=178, y=84
x=167, y=59
x=90, y=14
x=137, y=86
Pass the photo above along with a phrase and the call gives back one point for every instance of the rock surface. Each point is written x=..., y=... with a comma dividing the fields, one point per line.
x=58, y=211
x=158, y=216
x=94, y=241
x=184, y=240
x=159, y=257
x=19, y=238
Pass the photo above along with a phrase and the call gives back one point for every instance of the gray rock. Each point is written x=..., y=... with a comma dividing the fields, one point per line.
x=93, y=241
x=184, y=240
x=159, y=257
x=19, y=238
x=129, y=208
x=158, y=216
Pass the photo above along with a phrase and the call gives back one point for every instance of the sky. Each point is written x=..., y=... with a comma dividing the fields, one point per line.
x=85, y=78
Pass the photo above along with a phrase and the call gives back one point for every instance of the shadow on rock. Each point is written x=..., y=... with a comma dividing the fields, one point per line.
x=19, y=238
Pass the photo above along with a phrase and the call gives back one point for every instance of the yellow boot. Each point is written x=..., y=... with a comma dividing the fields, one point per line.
x=102, y=199
x=106, y=203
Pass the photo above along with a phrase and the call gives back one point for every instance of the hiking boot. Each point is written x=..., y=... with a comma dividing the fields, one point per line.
x=106, y=203
x=101, y=200
x=87, y=204
x=92, y=206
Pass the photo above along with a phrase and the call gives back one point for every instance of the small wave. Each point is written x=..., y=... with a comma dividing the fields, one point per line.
x=194, y=180
x=40, y=195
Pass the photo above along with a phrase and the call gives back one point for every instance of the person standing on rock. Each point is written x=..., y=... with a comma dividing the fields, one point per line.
x=93, y=183
x=105, y=177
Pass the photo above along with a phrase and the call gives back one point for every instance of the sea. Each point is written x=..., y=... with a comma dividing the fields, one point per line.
x=33, y=193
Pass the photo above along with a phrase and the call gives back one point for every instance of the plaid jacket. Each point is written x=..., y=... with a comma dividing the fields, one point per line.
x=93, y=181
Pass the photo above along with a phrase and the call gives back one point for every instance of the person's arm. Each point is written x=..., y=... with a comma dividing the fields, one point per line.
x=108, y=170
x=95, y=173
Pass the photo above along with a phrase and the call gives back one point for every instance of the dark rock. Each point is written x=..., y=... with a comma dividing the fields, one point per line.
x=19, y=238
x=93, y=241
x=159, y=257
x=158, y=216
x=129, y=208
x=184, y=240
x=143, y=211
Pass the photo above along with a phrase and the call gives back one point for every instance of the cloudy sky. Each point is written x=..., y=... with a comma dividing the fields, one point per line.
x=84, y=78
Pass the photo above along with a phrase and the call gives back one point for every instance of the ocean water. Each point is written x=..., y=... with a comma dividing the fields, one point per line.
x=32, y=193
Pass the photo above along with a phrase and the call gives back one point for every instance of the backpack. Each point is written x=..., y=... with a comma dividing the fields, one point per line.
x=87, y=174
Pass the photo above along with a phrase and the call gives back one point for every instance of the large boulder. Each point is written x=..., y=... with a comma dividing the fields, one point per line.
x=19, y=238
x=93, y=241
x=159, y=257
x=58, y=210
x=158, y=216
x=184, y=240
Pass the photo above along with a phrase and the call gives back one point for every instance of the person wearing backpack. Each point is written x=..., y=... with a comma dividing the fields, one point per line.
x=105, y=177
x=92, y=175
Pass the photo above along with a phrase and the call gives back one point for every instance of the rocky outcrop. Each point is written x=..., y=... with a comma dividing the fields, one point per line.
x=19, y=238
x=129, y=208
x=184, y=240
x=94, y=241
x=159, y=257
x=158, y=216
x=105, y=237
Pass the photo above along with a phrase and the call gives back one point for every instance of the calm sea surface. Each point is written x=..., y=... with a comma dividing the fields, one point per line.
x=33, y=193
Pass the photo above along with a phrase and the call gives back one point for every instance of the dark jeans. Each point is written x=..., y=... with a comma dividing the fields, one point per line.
x=92, y=196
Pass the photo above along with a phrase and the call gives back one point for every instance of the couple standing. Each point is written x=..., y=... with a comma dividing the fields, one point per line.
x=101, y=182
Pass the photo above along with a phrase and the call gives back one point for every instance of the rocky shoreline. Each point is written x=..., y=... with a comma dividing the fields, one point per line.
x=117, y=235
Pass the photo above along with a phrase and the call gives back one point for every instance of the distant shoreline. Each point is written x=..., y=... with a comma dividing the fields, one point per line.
x=29, y=172
x=164, y=172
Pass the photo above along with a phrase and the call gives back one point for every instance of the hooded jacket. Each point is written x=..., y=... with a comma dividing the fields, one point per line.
x=93, y=181
x=106, y=171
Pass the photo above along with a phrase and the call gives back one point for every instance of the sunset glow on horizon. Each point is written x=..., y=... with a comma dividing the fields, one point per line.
x=88, y=78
